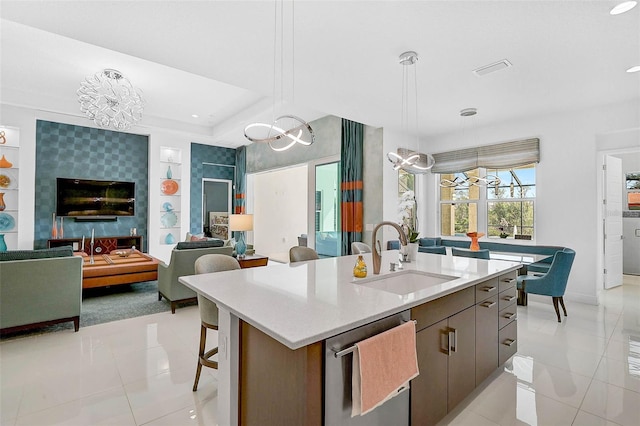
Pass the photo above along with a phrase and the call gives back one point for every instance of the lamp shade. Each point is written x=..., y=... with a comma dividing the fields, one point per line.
x=241, y=222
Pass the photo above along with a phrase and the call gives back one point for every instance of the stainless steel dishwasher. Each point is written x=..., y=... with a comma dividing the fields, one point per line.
x=337, y=391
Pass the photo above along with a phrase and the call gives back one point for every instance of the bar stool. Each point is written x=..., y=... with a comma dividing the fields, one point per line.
x=299, y=254
x=208, y=310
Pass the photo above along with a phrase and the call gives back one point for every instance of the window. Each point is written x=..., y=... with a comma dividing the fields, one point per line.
x=500, y=210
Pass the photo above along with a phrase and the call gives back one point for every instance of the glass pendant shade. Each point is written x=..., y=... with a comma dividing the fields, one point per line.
x=110, y=100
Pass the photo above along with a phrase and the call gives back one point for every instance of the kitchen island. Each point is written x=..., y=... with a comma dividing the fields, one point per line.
x=274, y=322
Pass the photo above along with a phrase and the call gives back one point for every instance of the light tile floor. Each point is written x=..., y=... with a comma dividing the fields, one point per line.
x=583, y=371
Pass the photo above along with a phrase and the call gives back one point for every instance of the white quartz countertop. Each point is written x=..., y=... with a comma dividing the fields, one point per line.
x=305, y=302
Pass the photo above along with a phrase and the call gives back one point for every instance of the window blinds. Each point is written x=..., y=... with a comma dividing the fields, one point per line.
x=497, y=156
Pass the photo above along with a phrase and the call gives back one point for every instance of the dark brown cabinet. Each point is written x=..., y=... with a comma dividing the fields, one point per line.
x=446, y=356
x=101, y=245
x=461, y=339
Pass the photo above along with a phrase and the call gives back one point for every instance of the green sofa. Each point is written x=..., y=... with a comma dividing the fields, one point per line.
x=39, y=287
x=182, y=261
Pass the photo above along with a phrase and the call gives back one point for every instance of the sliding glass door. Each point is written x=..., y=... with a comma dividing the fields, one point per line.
x=327, y=209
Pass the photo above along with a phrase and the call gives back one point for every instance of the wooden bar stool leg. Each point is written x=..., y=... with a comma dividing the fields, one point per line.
x=203, y=341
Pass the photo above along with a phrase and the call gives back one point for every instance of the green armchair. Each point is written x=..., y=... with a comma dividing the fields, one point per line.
x=553, y=283
x=182, y=263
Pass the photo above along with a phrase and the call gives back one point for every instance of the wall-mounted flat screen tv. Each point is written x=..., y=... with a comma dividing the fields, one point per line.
x=84, y=198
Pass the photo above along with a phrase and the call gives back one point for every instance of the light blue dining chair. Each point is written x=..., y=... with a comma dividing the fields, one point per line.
x=553, y=283
x=478, y=254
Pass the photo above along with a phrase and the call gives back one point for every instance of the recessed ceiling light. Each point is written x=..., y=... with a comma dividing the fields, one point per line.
x=623, y=7
x=634, y=69
x=195, y=115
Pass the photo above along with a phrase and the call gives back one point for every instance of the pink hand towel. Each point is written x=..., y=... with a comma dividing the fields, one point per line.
x=383, y=365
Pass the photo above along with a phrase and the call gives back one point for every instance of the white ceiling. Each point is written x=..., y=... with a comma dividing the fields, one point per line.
x=215, y=58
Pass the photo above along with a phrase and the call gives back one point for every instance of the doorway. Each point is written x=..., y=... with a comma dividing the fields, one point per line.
x=624, y=145
x=326, y=218
x=216, y=202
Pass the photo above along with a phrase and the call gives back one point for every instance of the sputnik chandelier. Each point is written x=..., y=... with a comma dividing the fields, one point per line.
x=409, y=160
x=286, y=130
x=110, y=100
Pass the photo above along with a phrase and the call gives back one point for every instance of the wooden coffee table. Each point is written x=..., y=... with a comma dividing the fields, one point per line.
x=112, y=269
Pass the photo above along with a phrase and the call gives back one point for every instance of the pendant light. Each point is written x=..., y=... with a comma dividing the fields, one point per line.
x=286, y=130
x=469, y=181
x=406, y=159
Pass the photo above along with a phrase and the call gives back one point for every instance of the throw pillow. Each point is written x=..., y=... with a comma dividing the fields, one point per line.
x=427, y=242
x=199, y=244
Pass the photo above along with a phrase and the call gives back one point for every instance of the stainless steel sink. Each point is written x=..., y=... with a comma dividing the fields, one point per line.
x=404, y=282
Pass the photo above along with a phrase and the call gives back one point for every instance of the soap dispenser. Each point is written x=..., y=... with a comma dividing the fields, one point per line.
x=360, y=268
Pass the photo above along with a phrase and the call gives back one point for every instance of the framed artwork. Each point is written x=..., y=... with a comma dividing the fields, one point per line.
x=219, y=225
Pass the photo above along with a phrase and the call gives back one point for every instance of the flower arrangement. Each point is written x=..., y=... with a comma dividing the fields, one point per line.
x=407, y=215
x=504, y=225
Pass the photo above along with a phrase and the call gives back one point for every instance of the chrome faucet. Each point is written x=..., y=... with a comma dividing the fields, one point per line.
x=376, y=252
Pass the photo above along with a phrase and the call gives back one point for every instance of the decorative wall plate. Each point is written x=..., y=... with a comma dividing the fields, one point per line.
x=8, y=179
x=169, y=219
x=7, y=222
x=169, y=186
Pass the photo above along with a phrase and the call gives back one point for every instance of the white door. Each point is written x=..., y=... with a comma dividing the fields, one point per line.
x=612, y=221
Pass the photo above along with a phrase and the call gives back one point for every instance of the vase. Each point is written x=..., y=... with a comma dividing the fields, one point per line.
x=54, y=228
x=413, y=251
x=474, y=240
x=169, y=173
x=61, y=229
x=3, y=244
x=3, y=205
x=4, y=163
x=360, y=268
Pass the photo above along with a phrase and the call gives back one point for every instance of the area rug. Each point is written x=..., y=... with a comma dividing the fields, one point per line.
x=106, y=304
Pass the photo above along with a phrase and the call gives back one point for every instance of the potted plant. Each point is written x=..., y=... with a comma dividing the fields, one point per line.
x=407, y=219
x=504, y=225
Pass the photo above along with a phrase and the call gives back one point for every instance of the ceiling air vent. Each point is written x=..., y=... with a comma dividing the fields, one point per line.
x=496, y=66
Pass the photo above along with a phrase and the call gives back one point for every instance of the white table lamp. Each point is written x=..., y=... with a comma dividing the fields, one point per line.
x=241, y=223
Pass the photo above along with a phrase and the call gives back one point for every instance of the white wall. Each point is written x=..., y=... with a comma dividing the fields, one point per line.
x=567, y=175
x=279, y=207
x=25, y=120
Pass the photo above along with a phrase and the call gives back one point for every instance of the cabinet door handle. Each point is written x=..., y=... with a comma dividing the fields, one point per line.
x=509, y=298
x=509, y=342
x=453, y=340
x=509, y=315
x=488, y=289
x=508, y=280
x=488, y=304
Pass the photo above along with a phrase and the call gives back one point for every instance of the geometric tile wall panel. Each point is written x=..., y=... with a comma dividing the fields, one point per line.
x=66, y=150
x=207, y=161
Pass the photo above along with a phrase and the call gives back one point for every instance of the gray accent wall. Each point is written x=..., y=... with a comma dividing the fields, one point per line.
x=374, y=160
x=207, y=162
x=328, y=131
x=69, y=151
